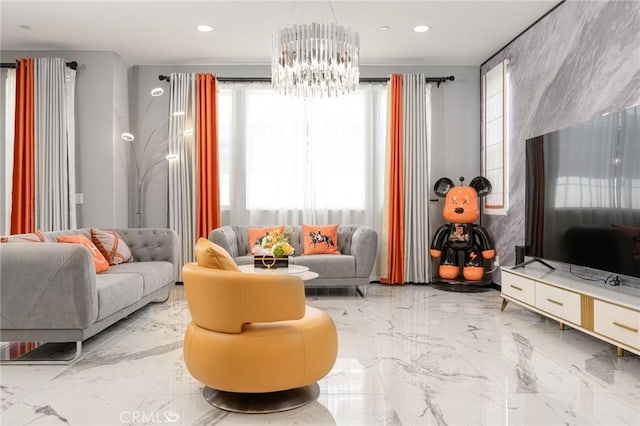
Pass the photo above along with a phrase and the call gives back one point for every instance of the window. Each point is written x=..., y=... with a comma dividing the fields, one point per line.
x=494, y=141
x=288, y=153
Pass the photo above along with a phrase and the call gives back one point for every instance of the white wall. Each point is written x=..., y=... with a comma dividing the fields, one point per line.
x=101, y=110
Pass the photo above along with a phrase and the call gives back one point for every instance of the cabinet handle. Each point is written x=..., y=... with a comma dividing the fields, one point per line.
x=516, y=287
x=626, y=327
x=556, y=302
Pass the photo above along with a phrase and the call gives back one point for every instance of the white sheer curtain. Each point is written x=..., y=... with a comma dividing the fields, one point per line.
x=54, y=145
x=182, y=169
x=7, y=153
x=287, y=160
x=416, y=132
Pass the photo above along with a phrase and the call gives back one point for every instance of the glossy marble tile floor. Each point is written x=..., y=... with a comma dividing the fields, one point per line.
x=409, y=355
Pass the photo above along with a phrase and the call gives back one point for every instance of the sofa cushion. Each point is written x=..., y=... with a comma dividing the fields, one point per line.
x=211, y=255
x=154, y=274
x=99, y=260
x=112, y=246
x=329, y=265
x=35, y=237
x=117, y=291
x=320, y=239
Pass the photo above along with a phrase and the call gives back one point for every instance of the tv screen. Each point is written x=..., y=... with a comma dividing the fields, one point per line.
x=583, y=194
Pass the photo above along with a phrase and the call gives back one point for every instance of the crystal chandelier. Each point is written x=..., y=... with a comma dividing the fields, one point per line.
x=315, y=60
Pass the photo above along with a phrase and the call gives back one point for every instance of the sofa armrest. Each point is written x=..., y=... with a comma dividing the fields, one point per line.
x=153, y=245
x=364, y=247
x=227, y=238
x=47, y=286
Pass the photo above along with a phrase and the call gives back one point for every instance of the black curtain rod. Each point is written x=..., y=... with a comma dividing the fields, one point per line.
x=73, y=65
x=438, y=80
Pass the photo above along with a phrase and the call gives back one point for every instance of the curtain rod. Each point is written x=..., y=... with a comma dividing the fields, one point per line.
x=73, y=65
x=438, y=80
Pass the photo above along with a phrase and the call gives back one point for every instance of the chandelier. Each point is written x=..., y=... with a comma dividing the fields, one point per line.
x=315, y=60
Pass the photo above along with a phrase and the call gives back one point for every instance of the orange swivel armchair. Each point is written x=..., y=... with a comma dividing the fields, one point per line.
x=252, y=341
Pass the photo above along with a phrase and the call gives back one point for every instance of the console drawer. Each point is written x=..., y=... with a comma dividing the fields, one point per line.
x=617, y=323
x=518, y=287
x=556, y=301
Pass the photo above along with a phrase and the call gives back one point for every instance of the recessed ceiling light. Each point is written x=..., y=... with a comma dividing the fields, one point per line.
x=25, y=27
x=158, y=91
x=127, y=137
x=384, y=28
x=421, y=28
x=204, y=28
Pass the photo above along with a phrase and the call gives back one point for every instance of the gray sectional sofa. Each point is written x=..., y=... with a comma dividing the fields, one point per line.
x=357, y=244
x=50, y=291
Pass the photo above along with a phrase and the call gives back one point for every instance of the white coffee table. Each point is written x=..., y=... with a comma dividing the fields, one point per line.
x=301, y=271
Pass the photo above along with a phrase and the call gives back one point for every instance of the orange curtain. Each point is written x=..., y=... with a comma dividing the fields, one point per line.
x=395, y=249
x=208, y=171
x=23, y=193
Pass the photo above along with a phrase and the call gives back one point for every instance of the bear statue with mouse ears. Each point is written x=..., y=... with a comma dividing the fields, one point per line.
x=461, y=234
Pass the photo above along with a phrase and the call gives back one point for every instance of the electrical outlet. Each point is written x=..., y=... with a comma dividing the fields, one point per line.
x=79, y=198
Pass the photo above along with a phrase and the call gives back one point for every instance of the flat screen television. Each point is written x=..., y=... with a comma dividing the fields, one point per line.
x=583, y=194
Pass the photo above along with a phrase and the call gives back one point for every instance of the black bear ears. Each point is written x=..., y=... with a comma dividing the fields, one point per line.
x=479, y=183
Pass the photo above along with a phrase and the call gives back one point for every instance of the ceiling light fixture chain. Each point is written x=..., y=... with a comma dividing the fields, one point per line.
x=335, y=19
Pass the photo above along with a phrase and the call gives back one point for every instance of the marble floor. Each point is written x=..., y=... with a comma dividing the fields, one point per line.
x=409, y=355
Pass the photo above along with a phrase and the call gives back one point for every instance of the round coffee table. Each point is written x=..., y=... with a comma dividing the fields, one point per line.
x=301, y=271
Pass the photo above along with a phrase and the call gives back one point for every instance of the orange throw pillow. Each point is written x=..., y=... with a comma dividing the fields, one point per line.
x=211, y=255
x=320, y=239
x=257, y=234
x=99, y=260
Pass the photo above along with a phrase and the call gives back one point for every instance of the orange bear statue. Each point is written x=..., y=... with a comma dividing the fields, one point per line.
x=461, y=234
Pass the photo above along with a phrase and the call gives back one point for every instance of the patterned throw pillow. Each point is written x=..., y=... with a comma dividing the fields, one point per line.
x=35, y=237
x=211, y=255
x=257, y=234
x=99, y=260
x=112, y=246
x=320, y=239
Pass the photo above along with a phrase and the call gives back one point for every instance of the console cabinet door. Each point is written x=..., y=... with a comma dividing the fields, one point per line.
x=617, y=323
x=517, y=287
x=556, y=301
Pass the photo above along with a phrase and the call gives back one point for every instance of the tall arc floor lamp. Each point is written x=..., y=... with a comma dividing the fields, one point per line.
x=147, y=156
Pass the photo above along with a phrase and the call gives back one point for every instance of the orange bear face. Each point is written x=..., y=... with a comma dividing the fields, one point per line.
x=461, y=203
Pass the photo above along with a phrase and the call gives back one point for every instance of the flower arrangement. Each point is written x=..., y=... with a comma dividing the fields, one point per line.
x=277, y=244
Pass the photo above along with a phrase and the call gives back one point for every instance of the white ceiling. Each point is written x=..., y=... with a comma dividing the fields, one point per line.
x=163, y=32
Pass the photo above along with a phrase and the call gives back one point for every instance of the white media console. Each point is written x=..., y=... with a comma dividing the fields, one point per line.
x=610, y=313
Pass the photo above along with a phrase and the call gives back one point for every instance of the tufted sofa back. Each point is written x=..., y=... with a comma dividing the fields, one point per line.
x=235, y=238
x=146, y=244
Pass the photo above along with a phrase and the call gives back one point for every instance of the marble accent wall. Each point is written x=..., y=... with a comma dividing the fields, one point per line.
x=581, y=60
